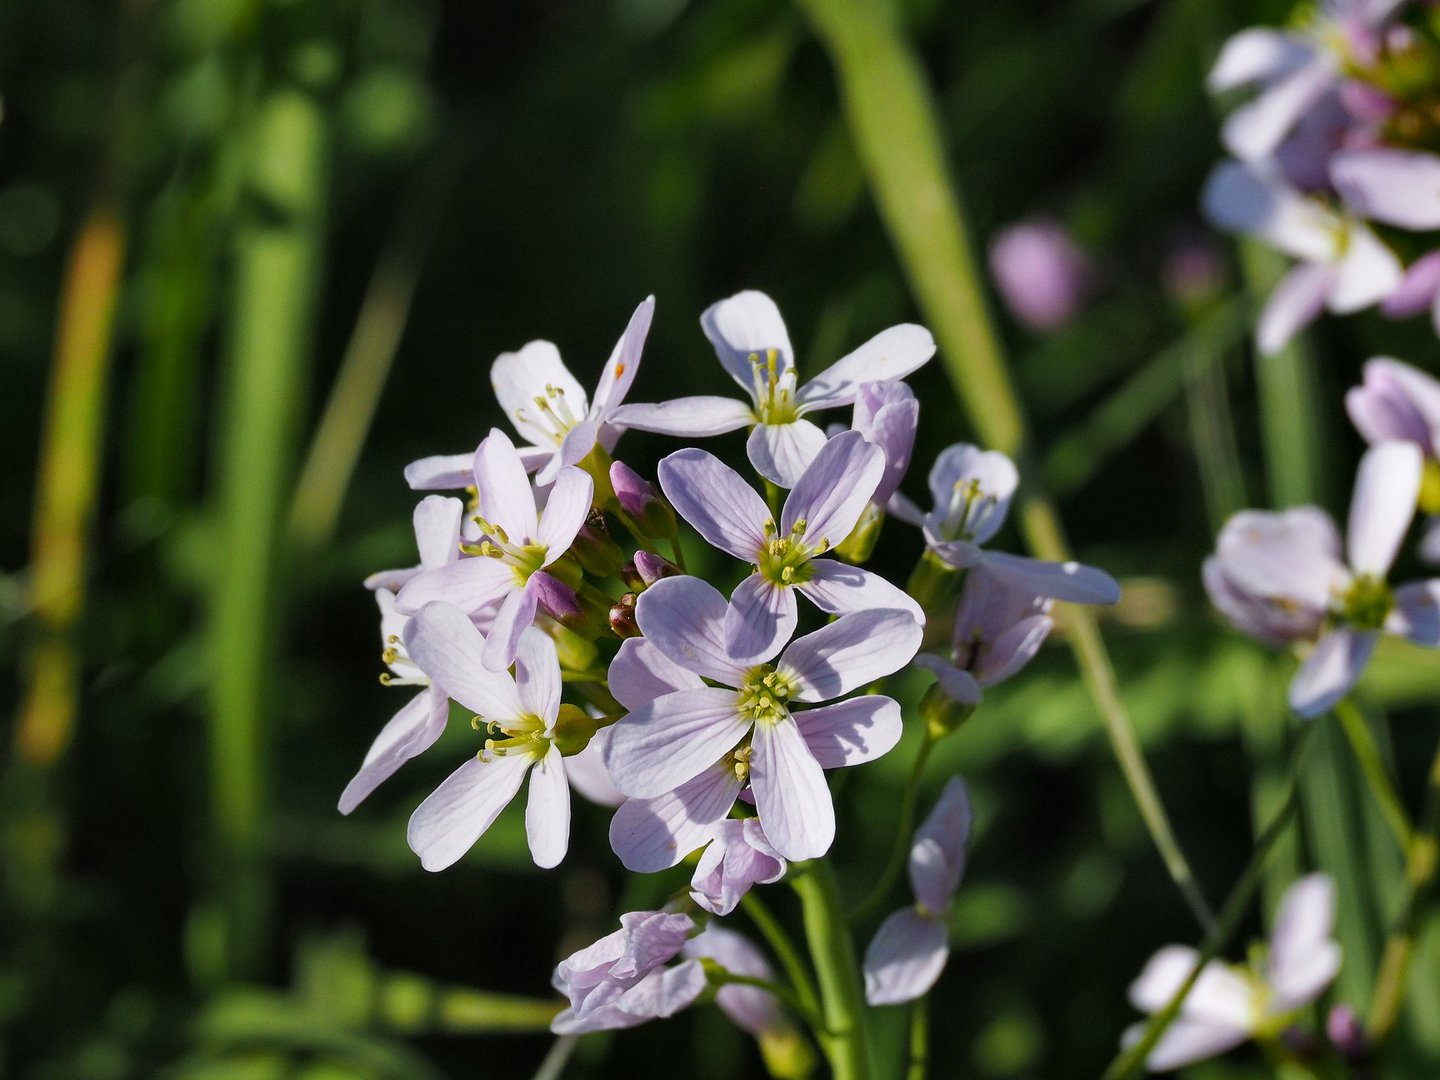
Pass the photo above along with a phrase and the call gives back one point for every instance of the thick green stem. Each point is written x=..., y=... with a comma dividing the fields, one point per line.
x=1422, y=858
x=919, y=1040
x=1372, y=765
x=842, y=997
x=895, y=127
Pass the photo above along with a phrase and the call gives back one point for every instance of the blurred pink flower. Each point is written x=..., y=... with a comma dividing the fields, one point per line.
x=1041, y=275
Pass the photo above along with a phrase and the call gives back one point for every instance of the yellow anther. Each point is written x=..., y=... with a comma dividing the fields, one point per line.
x=393, y=639
x=787, y=575
x=385, y=678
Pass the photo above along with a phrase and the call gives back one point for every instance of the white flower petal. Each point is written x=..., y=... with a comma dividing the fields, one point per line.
x=441, y=472
x=782, y=452
x=1332, y=668
x=692, y=417
x=519, y=378
x=640, y=672
x=850, y=652
x=745, y=324
x=506, y=498
x=1293, y=305
x=1303, y=959
x=1072, y=582
x=547, y=812
x=1368, y=273
x=716, y=501
x=760, y=620
x=409, y=733
x=448, y=648
x=1387, y=486
x=1245, y=199
x=650, y=835
x=905, y=958
x=791, y=798
x=537, y=675
x=457, y=813
x=666, y=742
x=1253, y=131
x=624, y=362
x=684, y=618
x=889, y=355
x=565, y=512
x=850, y=732
x=839, y=588
x=833, y=492
x=1416, y=615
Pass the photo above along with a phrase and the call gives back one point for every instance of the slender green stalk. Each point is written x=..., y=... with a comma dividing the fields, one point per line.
x=558, y=1056
x=1372, y=765
x=277, y=260
x=784, y=949
x=842, y=998
x=473, y=1012
x=779, y=991
x=1131, y=1061
x=1420, y=865
x=919, y=1040
x=903, y=827
x=1212, y=431
x=894, y=125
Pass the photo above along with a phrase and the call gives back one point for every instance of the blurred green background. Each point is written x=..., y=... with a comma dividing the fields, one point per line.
x=254, y=257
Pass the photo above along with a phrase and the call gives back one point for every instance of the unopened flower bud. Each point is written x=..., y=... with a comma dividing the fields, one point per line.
x=594, y=548
x=652, y=567
x=573, y=729
x=942, y=713
x=622, y=617
x=642, y=502
x=1346, y=1033
x=629, y=575
x=558, y=599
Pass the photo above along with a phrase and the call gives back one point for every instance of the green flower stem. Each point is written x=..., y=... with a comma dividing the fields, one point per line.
x=842, y=996
x=1422, y=856
x=1131, y=1062
x=903, y=826
x=1377, y=776
x=779, y=991
x=919, y=1040
x=784, y=949
x=895, y=127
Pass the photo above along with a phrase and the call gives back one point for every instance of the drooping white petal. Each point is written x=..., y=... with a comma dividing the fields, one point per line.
x=743, y=325
x=665, y=742
x=1332, y=668
x=850, y=732
x=437, y=530
x=1013, y=649
x=905, y=958
x=516, y=615
x=1256, y=54
x=409, y=733
x=1397, y=187
x=565, y=512
x=937, y=857
x=716, y=501
x=650, y=835
x=782, y=452
x=547, y=812
x=791, y=797
x=640, y=672
x=1416, y=615
x=1253, y=131
x=958, y=684
x=851, y=651
x=448, y=648
x=1187, y=1041
x=693, y=417
x=1292, y=556
x=1071, y=581
x=839, y=588
x=506, y=499
x=519, y=378
x=1387, y=486
x=684, y=617
x=624, y=362
x=441, y=472
x=1293, y=305
x=834, y=491
x=751, y=1009
x=1220, y=995
x=1303, y=959
x=457, y=813
x=1367, y=274
x=537, y=675
x=760, y=620
x=889, y=355
x=469, y=584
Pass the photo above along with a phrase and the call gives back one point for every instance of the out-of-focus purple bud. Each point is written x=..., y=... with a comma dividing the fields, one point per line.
x=1041, y=274
x=595, y=549
x=1194, y=273
x=622, y=617
x=642, y=501
x=652, y=567
x=1397, y=401
x=1347, y=1033
x=1366, y=103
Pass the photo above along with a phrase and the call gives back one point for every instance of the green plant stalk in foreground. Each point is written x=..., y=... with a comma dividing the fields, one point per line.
x=894, y=125
x=842, y=994
x=278, y=248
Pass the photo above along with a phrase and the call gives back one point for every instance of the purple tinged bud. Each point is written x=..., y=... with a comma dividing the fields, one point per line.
x=622, y=617
x=1194, y=273
x=629, y=575
x=641, y=501
x=652, y=567
x=1040, y=273
x=1346, y=1033
x=888, y=415
x=559, y=600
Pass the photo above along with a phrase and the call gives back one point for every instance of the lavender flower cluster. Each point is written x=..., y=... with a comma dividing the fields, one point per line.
x=551, y=602
x=1335, y=162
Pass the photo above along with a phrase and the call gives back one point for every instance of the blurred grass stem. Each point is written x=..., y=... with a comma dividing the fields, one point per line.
x=1372, y=765
x=278, y=247
x=897, y=134
x=1422, y=857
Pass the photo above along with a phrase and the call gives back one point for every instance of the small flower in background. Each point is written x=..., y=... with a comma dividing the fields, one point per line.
x=745, y=725
x=998, y=630
x=888, y=415
x=752, y=1009
x=972, y=489
x=1419, y=290
x=524, y=709
x=549, y=408
x=1397, y=401
x=819, y=513
x=1040, y=273
x=1343, y=266
x=754, y=347
x=910, y=949
x=416, y=727
x=1228, y=1004
x=1280, y=578
x=506, y=571
x=621, y=981
x=738, y=857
